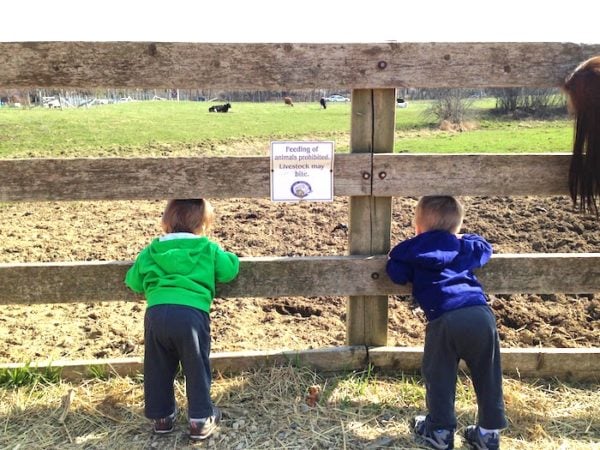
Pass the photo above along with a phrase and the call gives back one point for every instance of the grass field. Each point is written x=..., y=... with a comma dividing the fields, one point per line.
x=183, y=128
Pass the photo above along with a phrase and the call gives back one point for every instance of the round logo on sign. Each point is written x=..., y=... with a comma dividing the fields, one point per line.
x=301, y=189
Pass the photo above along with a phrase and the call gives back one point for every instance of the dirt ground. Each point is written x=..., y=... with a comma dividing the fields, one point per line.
x=87, y=231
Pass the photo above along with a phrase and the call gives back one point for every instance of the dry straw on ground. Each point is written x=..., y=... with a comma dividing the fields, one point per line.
x=268, y=409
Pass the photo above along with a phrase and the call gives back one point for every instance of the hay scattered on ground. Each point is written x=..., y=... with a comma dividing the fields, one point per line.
x=269, y=409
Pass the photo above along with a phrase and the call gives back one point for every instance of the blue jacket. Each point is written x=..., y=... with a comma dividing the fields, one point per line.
x=439, y=265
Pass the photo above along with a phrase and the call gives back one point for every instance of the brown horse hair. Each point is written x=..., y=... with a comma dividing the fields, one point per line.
x=582, y=87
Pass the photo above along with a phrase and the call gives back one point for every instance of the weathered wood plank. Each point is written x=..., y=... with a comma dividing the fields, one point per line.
x=581, y=364
x=158, y=178
x=576, y=364
x=39, y=283
x=333, y=359
x=293, y=66
x=471, y=174
x=562, y=363
x=393, y=175
x=373, y=126
x=542, y=273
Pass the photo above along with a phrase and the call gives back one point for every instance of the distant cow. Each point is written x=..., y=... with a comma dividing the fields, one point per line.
x=220, y=108
x=288, y=101
x=323, y=103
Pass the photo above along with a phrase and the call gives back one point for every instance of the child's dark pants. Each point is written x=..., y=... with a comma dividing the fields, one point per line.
x=174, y=333
x=469, y=334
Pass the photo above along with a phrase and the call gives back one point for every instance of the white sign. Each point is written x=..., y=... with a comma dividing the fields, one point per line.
x=301, y=171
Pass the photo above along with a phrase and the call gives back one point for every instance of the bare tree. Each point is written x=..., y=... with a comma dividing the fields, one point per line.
x=534, y=102
x=451, y=106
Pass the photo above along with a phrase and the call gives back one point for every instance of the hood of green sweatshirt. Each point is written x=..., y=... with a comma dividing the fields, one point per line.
x=178, y=256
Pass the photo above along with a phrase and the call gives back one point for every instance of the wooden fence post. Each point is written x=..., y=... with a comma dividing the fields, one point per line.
x=372, y=131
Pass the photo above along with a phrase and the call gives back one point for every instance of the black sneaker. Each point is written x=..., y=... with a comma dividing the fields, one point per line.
x=202, y=428
x=440, y=439
x=164, y=425
x=475, y=441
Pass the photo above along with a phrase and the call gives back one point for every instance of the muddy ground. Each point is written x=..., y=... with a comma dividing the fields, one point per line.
x=87, y=231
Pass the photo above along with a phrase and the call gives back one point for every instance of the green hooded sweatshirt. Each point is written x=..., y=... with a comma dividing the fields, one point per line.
x=181, y=269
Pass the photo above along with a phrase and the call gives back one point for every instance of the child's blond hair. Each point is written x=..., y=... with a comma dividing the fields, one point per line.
x=439, y=212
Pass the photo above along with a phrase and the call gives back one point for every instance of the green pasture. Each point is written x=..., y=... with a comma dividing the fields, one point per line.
x=187, y=128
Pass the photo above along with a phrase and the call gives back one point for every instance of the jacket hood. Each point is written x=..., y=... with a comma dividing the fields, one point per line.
x=432, y=249
x=178, y=256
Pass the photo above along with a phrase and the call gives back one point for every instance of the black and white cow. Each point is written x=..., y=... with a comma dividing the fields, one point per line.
x=220, y=108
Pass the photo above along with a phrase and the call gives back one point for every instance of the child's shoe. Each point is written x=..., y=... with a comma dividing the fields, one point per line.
x=441, y=439
x=165, y=425
x=200, y=429
x=477, y=441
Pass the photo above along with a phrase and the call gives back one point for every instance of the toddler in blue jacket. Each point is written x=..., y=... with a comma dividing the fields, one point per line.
x=439, y=264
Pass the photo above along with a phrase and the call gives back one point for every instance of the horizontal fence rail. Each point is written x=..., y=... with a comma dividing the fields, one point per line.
x=293, y=66
x=581, y=364
x=393, y=175
x=158, y=178
x=563, y=363
x=37, y=283
x=470, y=174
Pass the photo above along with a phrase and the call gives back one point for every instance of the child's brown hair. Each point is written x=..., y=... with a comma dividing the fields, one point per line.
x=439, y=212
x=188, y=216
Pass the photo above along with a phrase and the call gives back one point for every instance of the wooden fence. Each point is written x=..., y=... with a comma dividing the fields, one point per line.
x=370, y=176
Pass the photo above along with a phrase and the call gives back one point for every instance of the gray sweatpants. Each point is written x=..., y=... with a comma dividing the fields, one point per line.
x=469, y=334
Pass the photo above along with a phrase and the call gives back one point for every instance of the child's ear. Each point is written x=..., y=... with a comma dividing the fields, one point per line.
x=164, y=227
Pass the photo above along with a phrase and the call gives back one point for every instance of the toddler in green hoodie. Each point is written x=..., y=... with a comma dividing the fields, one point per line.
x=177, y=273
